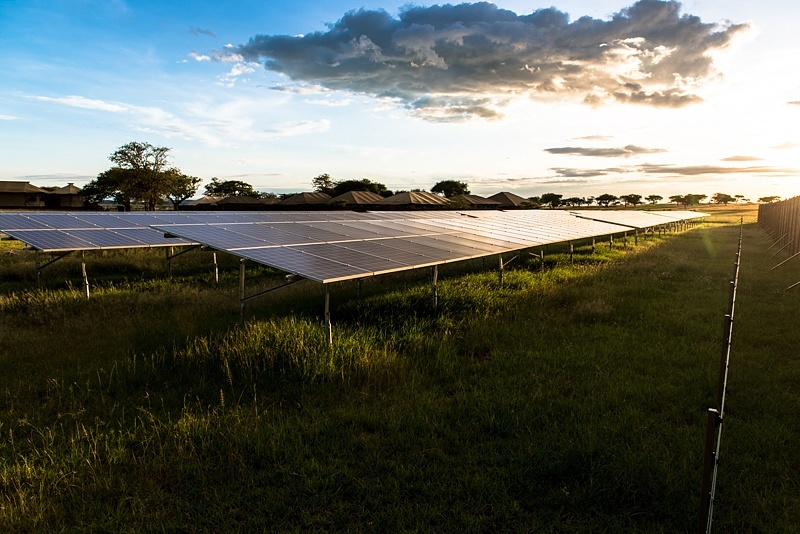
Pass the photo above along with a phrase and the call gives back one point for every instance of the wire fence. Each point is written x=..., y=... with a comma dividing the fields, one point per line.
x=781, y=220
x=716, y=415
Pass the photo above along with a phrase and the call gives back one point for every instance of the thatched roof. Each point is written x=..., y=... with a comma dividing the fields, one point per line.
x=19, y=187
x=508, y=199
x=305, y=198
x=421, y=198
x=475, y=200
x=358, y=197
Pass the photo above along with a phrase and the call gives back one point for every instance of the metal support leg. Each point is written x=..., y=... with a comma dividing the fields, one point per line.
x=500, y=272
x=169, y=262
x=625, y=239
x=636, y=237
x=358, y=289
x=328, y=329
x=610, y=242
x=541, y=258
x=571, y=252
x=241, y=289
x=38, y=271
x=216, y=269
x=594, y=243
x=435, y=285
x=83, y=274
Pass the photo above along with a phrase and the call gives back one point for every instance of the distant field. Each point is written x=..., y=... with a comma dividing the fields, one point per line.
x=570, y=400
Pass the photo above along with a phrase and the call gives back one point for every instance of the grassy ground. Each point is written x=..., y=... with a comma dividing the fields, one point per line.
x=569, y=400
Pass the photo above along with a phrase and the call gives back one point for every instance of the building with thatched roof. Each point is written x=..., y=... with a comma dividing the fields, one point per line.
x=356, y=198
x=21, y=195
x=306, y=199
x=68, y=197
x=414, y=199
x=509, y=200
x=475, y=202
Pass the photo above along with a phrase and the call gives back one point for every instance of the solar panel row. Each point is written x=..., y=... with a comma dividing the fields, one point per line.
x=330, y=246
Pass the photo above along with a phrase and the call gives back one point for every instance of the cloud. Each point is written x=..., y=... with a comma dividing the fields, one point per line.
x=697, y=170
x=290, y=129
x=8, y=118
x=199, y=57
x=625, y=152
x=594, y=138
x=674, y=170
x=86, y=103
x=454, y=62
x=795, y=103
x=742, y=158
x=200, y=31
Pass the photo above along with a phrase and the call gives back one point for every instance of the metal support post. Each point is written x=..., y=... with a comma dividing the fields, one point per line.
x=83, y=274
x=241, y=289
x=541, y=258
x=328, y=329
x=216, y=269
x=594, y=243
x=38, y=270
x=358, y=289
x=435, y=285
x=169, y=261
x=636, y=237
x=610, y=242
x=625, y=239
x=571, y=252
x=709, y=459
x=500, y=272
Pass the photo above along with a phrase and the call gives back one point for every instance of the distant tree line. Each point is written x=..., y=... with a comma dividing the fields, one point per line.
x=142, y=173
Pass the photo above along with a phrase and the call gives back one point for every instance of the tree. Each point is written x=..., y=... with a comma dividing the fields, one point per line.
x=112, y=183
x=230, y=188
x=450, y=188
x=633, y=200
x=653, y=199
x=721, y=198
x=181, y=187
x=552, y=199
x=770, y=199
x=678, y=199
x=323, y=184
x=359, y=185
x=146, y=169
x=574, y=201
x=739, y=198
x=605, y=199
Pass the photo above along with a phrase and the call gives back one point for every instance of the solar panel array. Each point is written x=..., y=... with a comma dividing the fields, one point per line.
x=326, y=246
x=638, y=219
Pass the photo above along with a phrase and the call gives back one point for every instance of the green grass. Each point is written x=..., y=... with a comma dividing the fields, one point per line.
x=569, y=400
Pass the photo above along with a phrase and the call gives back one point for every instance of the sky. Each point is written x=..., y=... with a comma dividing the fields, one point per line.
x=574, y=97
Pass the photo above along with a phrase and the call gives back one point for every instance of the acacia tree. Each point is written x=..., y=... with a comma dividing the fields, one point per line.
x=653, y=199
x=359, y=185
x=323, y=184
x=633, y=200
x=230, y=188
x=722, y=198
x=145, y=166
x=605, y=199
x=112, y=183
x=769, y=199
x=181, y=187
x=551, y=199
x=450, y=188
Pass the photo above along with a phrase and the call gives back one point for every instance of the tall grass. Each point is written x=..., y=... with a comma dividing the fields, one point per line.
x=568, y=400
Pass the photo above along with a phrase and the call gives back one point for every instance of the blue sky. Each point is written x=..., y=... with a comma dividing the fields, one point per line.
x=648, y=98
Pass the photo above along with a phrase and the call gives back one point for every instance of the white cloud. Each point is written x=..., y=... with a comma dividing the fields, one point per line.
x=291, y=129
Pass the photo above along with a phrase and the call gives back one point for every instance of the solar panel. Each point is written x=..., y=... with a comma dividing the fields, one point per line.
x=330, y=246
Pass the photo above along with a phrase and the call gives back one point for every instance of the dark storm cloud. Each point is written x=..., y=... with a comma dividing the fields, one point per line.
x=625, y=152
x=455, y=61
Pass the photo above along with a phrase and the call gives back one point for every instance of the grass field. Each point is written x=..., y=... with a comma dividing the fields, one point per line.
x=569, y=400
